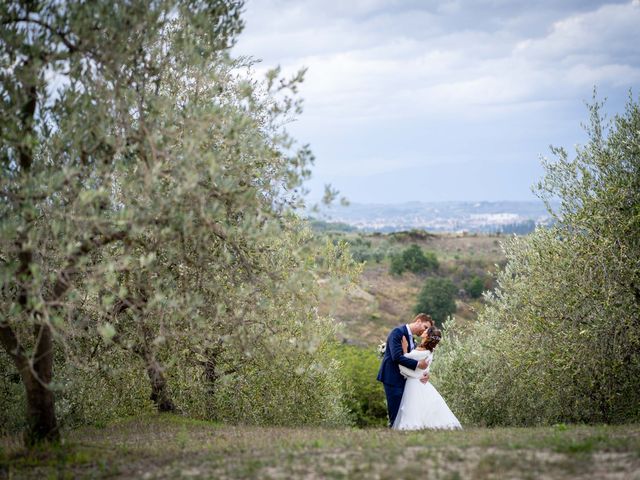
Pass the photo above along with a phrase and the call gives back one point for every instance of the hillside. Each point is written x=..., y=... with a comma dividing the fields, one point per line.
x=383, y=300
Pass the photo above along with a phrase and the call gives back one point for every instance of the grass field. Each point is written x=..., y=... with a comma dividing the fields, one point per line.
x=166, y=446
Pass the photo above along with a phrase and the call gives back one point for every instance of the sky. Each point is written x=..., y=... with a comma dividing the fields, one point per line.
x=429, y=100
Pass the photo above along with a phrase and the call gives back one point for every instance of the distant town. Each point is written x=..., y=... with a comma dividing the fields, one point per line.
x=473, y=217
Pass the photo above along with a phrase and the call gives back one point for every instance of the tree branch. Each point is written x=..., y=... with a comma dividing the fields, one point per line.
x=72, y=47
x=63, y=281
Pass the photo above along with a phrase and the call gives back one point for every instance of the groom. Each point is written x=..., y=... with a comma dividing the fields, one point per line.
x=389, y=373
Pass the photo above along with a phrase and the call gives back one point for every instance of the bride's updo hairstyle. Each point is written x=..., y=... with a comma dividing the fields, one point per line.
x=433, y=338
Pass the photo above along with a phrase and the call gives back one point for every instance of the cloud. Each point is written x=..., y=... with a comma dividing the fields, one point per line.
x=450, y=66
x=608, y=33
x=369, y=67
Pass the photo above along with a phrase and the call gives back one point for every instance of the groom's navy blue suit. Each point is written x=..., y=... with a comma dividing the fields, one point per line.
x=389, y=373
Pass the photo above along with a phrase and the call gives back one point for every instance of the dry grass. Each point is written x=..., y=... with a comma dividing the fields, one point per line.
x=173, y=447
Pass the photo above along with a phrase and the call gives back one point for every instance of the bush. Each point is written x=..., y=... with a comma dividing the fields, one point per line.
x=413, y=259
x=362, y=251
x=475, y=287
x=437, y=298
x=11, y=397
x=291, y=388
x=364, y=396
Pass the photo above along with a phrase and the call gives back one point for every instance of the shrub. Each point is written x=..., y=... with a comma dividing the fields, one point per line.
x=437, y=298
x=475, y=287
x=413, y=259
x=364, y=396
x=396, y=264
x=282, y=386
x=11, y=397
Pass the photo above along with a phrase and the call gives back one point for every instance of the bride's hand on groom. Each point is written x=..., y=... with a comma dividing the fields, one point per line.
x=405, y=345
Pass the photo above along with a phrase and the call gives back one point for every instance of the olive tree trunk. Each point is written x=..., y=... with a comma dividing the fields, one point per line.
x=159, y=391
x=36, y=376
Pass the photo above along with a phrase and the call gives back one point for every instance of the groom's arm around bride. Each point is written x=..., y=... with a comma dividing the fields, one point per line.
x=398, y=357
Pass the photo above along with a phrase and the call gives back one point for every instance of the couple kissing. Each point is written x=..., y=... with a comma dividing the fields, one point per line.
x=413, y=402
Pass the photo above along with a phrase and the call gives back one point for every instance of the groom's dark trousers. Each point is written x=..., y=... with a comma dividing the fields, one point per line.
x=389, y=373
x=394, y=397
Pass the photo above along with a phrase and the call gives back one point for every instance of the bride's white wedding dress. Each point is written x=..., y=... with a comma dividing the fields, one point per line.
x=421, y=405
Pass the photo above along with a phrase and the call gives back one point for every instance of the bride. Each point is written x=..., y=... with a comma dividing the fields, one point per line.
x=421, y=405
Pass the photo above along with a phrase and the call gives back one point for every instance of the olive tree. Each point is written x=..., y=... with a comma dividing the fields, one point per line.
x=559, y=339
x=147, y=187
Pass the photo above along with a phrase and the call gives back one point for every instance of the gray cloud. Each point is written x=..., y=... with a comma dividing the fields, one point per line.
x=382, y=73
